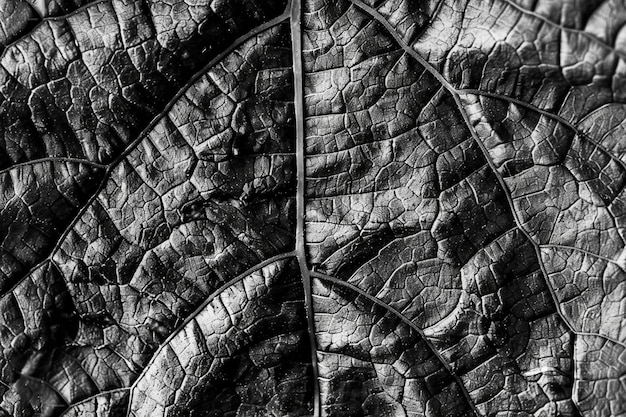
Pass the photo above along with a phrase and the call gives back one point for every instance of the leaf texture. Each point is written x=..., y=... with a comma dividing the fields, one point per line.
x=312, y=208
x=245, y=351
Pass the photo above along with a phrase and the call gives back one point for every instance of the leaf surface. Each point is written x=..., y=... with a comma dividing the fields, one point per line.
x=312, y=208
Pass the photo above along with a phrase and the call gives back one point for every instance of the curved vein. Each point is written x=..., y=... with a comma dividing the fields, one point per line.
x=455, y=95
x=42, y=21
x=92, y=397
x=53, y=159
x=170, y=104
x=586, y=252
x=587, y=35
x=409, y=323
x=206, y=302
x=553, y=116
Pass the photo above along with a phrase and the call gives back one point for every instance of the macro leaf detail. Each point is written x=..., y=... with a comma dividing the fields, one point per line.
x=312, y=208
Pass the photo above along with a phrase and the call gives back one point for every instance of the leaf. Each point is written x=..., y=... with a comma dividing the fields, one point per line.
x=244, y=351
x=380, y=363
x=312, y=208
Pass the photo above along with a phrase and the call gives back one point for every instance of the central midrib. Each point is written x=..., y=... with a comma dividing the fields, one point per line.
x=300, y=250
